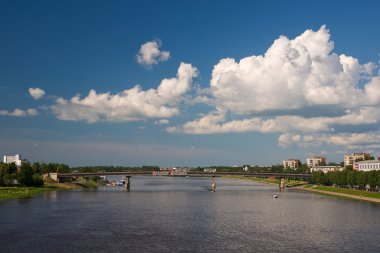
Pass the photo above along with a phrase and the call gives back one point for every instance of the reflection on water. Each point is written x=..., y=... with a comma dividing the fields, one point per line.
x=162, y=214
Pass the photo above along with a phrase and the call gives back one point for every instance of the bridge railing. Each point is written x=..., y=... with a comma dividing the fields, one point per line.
x=191, y=173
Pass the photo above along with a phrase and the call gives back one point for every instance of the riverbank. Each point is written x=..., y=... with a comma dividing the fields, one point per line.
x=29, y=192
x=346, y=193
x=289, y=183
x=23, y=192
x=373, y=197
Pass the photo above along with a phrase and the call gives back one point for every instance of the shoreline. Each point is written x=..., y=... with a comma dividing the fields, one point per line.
x=289, y=184
x=15, y=192
x=309, y=189
x=339, y=194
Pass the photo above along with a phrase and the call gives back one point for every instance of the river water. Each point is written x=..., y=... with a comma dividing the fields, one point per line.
x=166, y=214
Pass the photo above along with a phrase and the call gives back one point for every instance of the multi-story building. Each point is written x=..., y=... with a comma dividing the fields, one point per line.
x=291, y=163
x=315, y=161
x=367, y=165
x=350, y=159
x=326, y=169
x=13, y=159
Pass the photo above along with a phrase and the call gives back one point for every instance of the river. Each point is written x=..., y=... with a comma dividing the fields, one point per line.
x=166, y=214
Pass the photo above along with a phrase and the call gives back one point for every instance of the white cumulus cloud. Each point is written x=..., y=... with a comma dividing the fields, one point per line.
x=359, y=141
x=296, y=86
x=150, y=54
x=215, y=123
x=19, y=112
x=292, y=74
x=161, y=122
x=131, y=104
x=36, y=93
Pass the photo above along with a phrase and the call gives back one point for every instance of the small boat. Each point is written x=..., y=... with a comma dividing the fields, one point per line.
x=121, y=182
x=275, y=196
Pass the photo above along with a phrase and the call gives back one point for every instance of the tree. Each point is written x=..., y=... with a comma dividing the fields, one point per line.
x=372, y=179
x=44, y=168
x=12, y=168
x=37, y=180
x=63, y=168
x=8, y=179
x=349, y=167
x=3, y=172
x=36, y=168
x=25, y=176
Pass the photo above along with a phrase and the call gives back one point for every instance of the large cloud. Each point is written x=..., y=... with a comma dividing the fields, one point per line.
x=215, y=122
x=359, y=141
x=298, y=86
x=293, y=74
x=132, y=104
x=150, y=54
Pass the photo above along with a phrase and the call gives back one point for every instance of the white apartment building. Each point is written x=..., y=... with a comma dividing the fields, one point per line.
x=315, y=161
x=13, y=159
x=350, y=159
x=326, y=169
x=291, y=163
x=367, y=165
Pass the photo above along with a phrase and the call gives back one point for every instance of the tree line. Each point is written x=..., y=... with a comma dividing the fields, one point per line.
x=28, y=174
x=361, y=180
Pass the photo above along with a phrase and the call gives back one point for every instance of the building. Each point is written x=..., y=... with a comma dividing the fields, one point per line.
x=350, y=159
x=13, y=159
x=326, y=169
x=291, y=163
x=367, y=165
x=209, y=170
x=316, y=161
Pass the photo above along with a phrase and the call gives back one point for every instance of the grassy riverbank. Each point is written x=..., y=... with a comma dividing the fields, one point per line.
x=23, y=192
x=357, y=194
x=289, y=183
x=326, y=190
x=29, y=192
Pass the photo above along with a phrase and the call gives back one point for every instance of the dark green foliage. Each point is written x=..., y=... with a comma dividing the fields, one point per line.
x=7, y=178
x=25, y=175
x=37, y=180
x=12, y=168
x=28, y=175
x=349, y=179
x=36, y=168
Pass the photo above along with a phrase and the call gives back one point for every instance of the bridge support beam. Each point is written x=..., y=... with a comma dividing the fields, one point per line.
x=282, y=184
x=127, y=183
x=213, y=185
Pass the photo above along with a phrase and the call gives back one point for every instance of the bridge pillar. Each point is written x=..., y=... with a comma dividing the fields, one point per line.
x=282, y=184
x=128, y=183
x=213, y=185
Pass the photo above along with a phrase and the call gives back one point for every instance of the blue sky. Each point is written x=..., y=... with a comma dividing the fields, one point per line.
x=217, y=82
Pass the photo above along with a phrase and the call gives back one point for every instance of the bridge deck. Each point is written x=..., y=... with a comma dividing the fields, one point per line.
x=191, y=173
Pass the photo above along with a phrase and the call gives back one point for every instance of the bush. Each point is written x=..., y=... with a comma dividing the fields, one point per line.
x=37, y=180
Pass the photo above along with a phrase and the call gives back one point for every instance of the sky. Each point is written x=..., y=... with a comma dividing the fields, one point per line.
x=188, y=83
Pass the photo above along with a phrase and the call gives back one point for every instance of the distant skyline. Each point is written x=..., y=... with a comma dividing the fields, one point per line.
x=195, y=83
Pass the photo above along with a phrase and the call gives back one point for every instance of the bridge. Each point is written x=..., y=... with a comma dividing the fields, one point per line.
x=128, y=175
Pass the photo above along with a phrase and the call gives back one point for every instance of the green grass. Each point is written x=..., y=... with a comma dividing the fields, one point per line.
x=90, y=184
x=269, y=180
x=348, y=191
x=22, y=192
